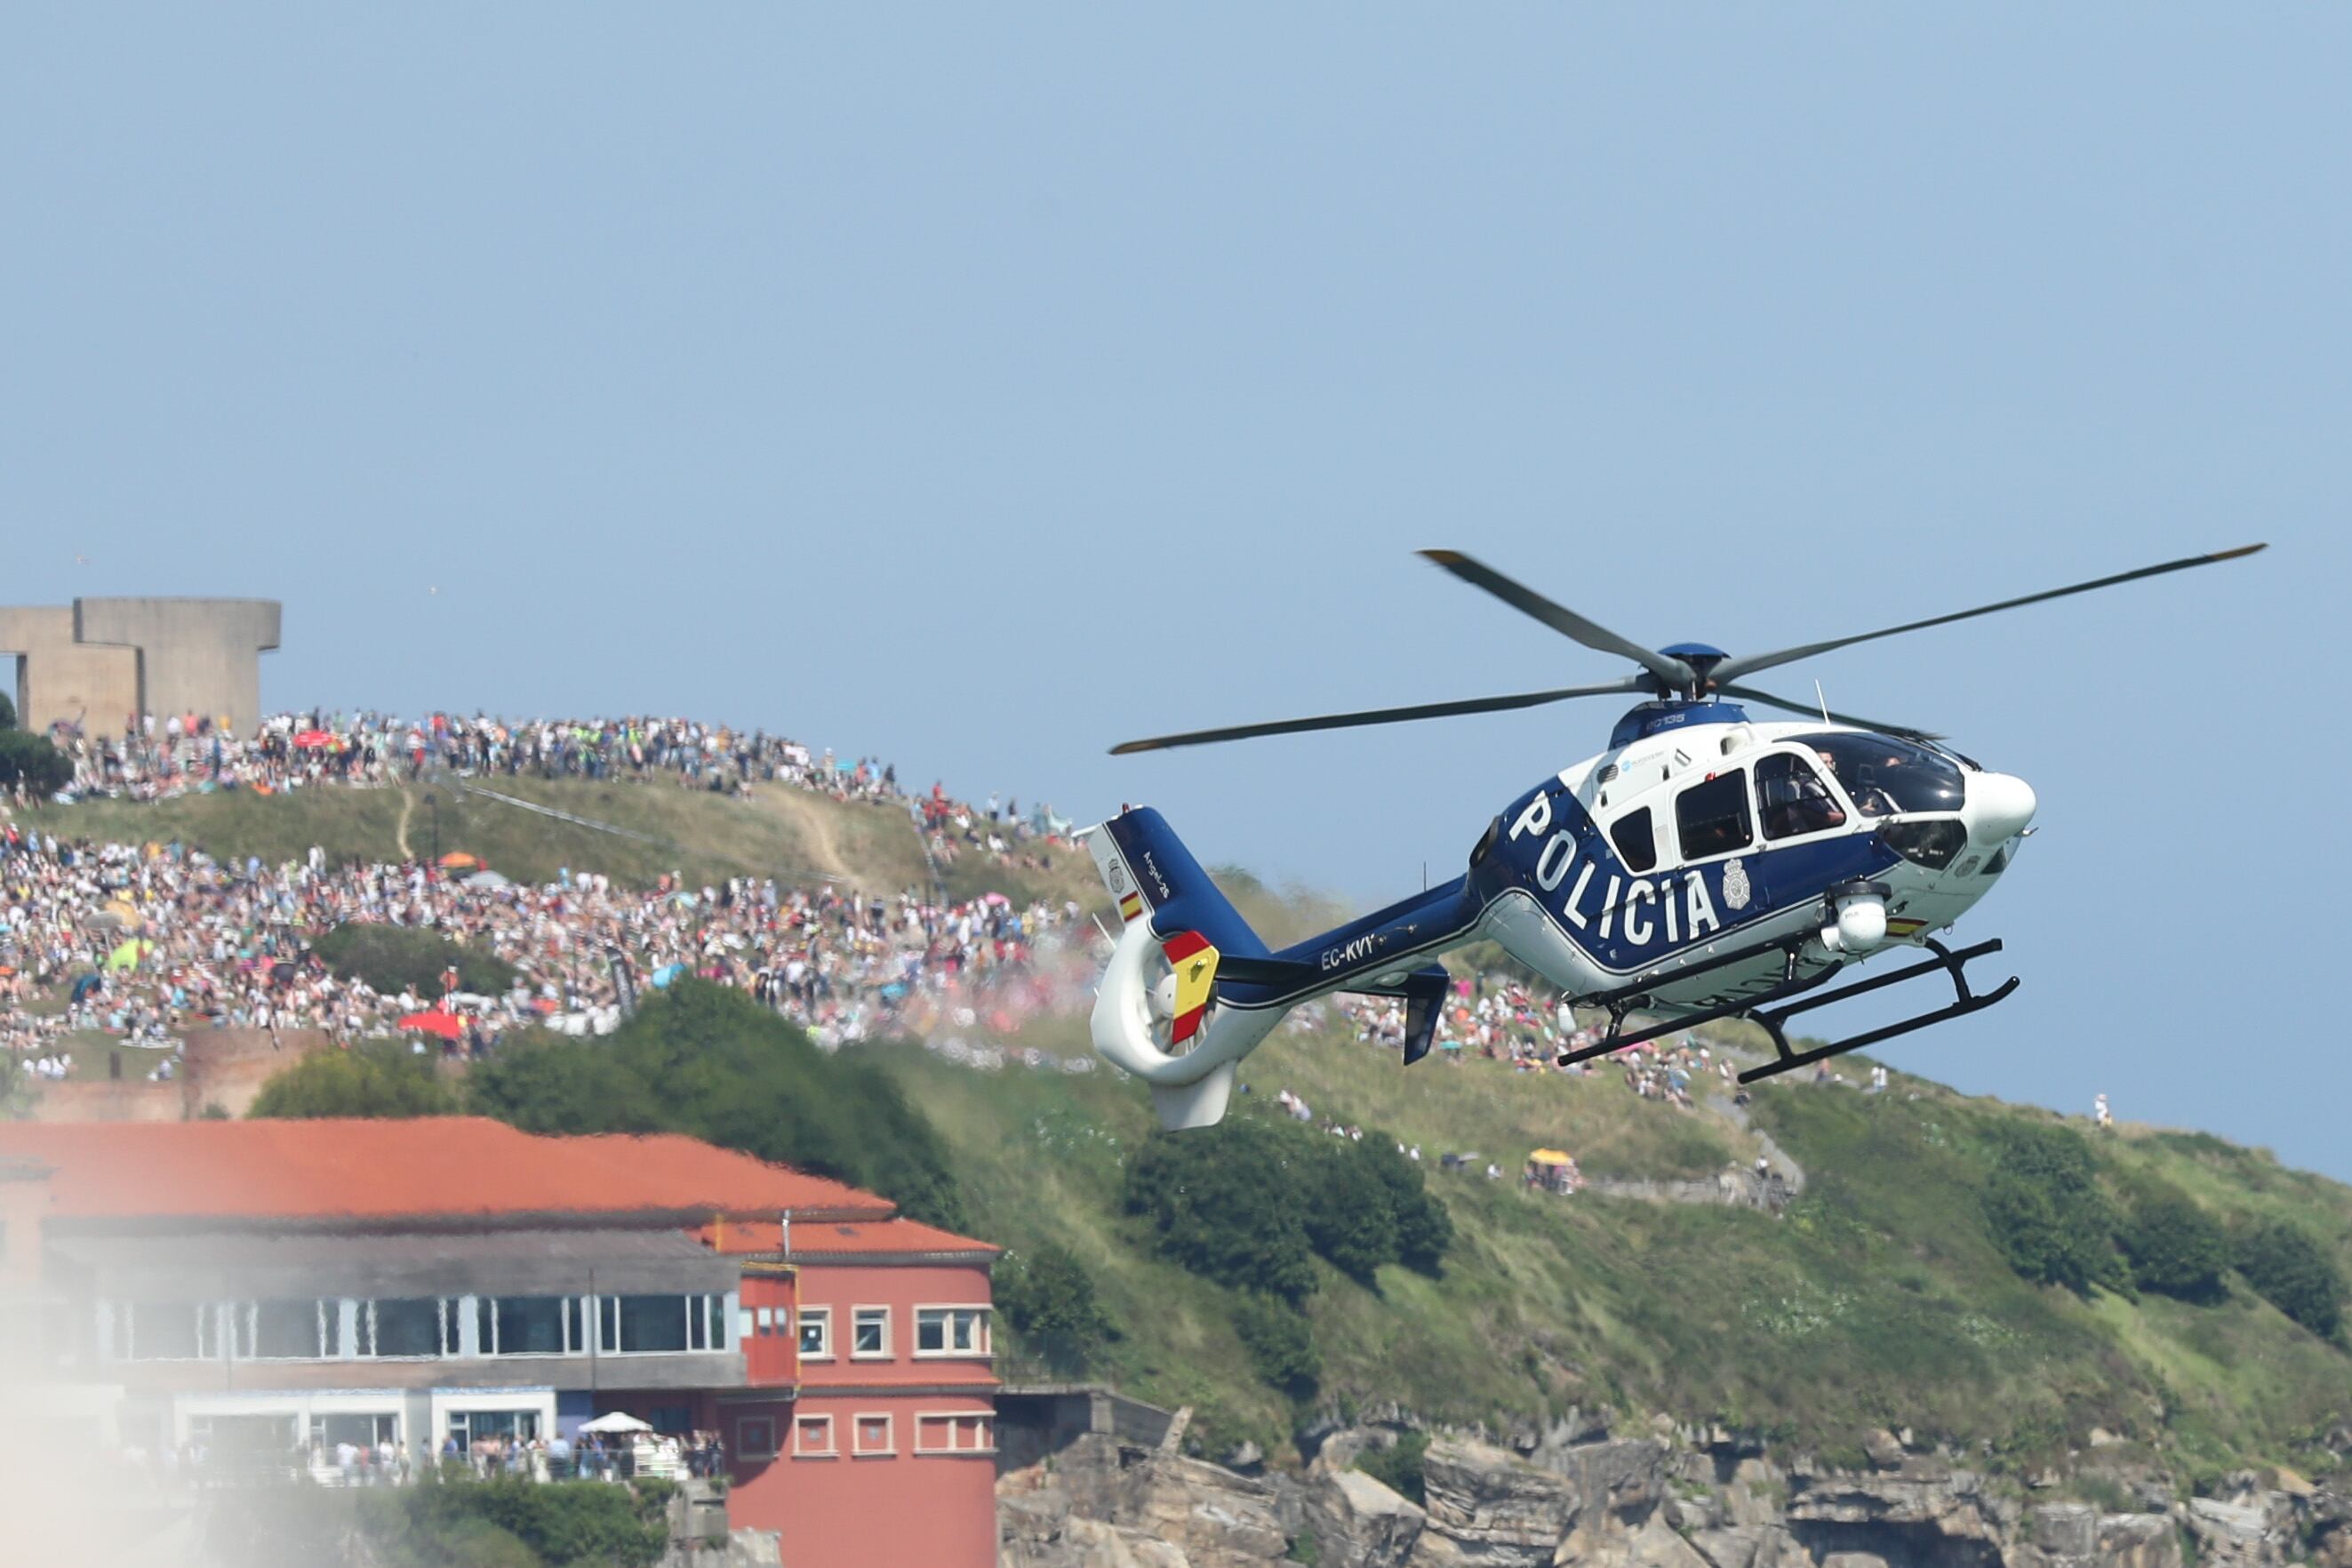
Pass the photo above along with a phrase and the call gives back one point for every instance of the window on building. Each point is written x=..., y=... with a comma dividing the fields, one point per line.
x=872, y=1437
x=706, y=1323
x=403, y=1327
x=529, y=1325
x=816, y=1333
x=471, y=1426
x=755, y=1437
x=1712, y=817
x=165, y=1330
x=643, y=1323
x=954, y=1434
x=812, y=1437
x=951, y=1330
x=870, y=1331
x=287, y=1331
x=1636, y=840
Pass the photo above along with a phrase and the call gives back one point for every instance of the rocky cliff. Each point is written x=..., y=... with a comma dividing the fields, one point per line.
x=1661, y=1497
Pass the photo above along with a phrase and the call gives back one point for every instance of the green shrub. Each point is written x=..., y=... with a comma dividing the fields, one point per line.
x=1350, y=1218
x=707, y=1060
x=1225, y=1202
x=7, y=713
x=2044, y=1210
x=29, y=759
x=1280, y=1342
x=1047, y=1296
x=2176, y=1248
x=1424, y=1231
x=2288, y=1269
x=375, y=1078
x=1398, y=1466
x=410, y=957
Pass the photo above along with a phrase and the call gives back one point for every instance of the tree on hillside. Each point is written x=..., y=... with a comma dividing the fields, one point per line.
x=707, y=1060
x=1424, y=1231
x=7, y=713
x=377, y=1078
x=1280, y=1342
x=1047, y=1296
x=2289, y=1268
x=1223, y=1202
x=2176, y=1248
x=1352, y=1220
x=2044, y=1209
x=29, y=761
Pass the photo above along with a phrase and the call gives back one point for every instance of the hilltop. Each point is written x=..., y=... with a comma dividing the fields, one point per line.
x=1886, y=1293
x=630, y=831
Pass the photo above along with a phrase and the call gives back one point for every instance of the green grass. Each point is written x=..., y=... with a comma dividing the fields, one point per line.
x=1878, y=1300
x=777, y=831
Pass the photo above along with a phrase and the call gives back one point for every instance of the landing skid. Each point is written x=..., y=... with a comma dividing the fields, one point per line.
x=1953, y=966
x=1765, y=1009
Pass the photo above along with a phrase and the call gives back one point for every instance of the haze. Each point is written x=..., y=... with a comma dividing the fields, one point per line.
x=976, y=387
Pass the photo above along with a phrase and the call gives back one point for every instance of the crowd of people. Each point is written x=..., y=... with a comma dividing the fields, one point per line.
x=154, y=758
x=141, y=942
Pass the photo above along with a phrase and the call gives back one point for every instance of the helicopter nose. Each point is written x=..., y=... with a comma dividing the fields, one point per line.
x=1997, y=808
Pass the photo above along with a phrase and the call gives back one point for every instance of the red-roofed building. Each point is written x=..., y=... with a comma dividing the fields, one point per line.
x=268, y=1285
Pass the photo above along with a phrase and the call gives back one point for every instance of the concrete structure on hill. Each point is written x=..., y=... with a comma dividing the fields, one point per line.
x=260, y=1293
x=100, y=661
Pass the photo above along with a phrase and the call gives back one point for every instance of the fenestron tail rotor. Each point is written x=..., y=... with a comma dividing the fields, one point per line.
x=1690, y=671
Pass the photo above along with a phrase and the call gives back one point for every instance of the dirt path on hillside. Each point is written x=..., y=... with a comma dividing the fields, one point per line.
x=400, y=833
x=820, y=850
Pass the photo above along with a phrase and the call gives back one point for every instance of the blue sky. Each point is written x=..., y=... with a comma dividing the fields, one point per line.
x=978, y=386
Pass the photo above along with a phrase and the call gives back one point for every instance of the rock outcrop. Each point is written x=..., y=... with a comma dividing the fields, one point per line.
x=1573, y=1493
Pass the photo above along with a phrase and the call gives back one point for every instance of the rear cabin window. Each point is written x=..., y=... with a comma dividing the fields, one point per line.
x=1793, y=799
x=1636, y=840
x=1712, y=817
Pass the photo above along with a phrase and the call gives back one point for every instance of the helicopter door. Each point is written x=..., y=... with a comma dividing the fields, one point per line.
x=1793, y=800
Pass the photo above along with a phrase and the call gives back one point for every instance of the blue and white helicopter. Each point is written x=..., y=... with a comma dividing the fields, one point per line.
x=1706, y=866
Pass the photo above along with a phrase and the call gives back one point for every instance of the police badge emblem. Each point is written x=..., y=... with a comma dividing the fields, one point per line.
x=1735, y=884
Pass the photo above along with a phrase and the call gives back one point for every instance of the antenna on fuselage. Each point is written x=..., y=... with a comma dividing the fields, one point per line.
x=1824, y=701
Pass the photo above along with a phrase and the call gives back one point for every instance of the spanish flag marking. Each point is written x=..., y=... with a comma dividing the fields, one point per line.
x=1195, y=962
x=1904, y=929
x=1129, y=906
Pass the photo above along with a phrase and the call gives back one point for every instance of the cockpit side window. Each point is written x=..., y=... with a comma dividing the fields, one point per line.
x=1636, y=840
x=1792, y=798
x=1712, y=817
x=1884, y=775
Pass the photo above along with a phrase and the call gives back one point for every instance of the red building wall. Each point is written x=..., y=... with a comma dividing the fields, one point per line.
x=854, y=1484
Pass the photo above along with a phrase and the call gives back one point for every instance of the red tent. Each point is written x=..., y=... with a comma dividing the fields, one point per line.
x=449, y=1026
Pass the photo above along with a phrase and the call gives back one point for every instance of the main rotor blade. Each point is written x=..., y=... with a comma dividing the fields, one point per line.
x=1372, y=716
x=1750, y=694
x=1678, y=675
x=1732, y=669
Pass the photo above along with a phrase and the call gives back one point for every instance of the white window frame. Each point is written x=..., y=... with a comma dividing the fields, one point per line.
x=857, y=1449
x=984, y=1431
x=859, y=1318
x=801, y=1449
x=821, y=1318
x=983, y=1351
x=744, y=1446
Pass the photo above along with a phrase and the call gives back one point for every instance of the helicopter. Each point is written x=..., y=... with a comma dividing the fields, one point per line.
x=1705, y=866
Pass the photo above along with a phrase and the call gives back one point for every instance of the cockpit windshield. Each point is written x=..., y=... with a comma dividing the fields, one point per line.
x=1884, y=775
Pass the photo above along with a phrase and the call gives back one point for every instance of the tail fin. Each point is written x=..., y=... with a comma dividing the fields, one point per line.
x=1151, y=875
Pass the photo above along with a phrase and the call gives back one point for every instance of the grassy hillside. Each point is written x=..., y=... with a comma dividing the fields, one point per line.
x=1879, y=1298
x=777, y=831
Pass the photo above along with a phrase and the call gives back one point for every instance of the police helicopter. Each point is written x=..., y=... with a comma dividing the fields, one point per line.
x=1705, y=866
